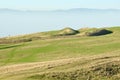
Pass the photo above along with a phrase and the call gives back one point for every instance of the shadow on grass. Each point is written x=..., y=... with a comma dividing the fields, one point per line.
x=11, y=46
x=101, y=32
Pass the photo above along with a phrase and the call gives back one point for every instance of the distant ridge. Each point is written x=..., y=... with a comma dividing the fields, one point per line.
x=9, y=10
x=66, y=10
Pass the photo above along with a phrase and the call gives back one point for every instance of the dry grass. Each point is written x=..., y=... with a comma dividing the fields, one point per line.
x=88, y=63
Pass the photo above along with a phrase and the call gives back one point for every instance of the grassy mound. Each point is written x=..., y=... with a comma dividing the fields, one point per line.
x=93, y=32
x=68, y=31
x=100, y=32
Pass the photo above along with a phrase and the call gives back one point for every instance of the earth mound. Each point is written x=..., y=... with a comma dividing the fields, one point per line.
x=93, y=32
x=68, y=31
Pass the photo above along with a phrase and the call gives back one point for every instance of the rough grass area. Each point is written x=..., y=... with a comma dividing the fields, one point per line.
x=100, y=67
x=103, y=71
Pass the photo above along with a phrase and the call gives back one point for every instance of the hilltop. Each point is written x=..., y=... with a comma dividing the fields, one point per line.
x=66, y=54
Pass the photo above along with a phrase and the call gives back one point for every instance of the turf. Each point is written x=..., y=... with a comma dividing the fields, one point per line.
x=63, y=57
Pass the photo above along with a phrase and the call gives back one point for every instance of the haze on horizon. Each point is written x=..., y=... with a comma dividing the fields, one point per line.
x=20, y=23
x=59, y=4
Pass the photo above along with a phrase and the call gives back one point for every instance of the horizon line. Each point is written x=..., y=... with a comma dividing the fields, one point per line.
x=57, y=9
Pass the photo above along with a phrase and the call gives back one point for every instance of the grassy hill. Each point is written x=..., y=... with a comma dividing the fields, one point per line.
x=85, y=54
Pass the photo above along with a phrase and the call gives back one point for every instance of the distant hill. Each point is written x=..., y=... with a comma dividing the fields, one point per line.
x=67, y=10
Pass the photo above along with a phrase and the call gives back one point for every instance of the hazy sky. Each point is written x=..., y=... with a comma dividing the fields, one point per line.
x=58, y=4
x=15, y=23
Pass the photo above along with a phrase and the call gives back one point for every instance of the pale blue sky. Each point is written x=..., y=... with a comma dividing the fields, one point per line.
x=15, y=23
x=58, y=4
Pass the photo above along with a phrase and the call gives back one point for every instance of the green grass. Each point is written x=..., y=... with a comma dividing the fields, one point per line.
x=61, y=48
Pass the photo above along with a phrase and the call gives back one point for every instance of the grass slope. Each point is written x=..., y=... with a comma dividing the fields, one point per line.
x=71, y=58
x=66, y=32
